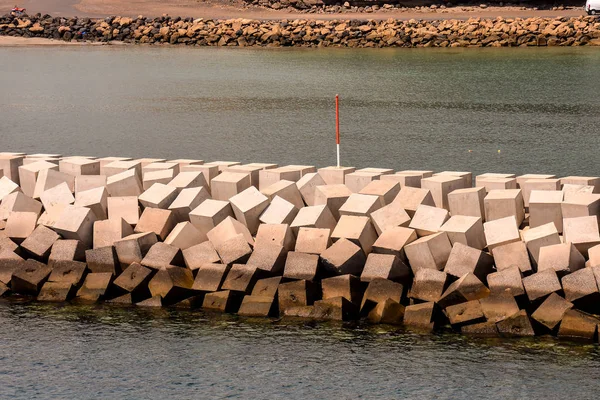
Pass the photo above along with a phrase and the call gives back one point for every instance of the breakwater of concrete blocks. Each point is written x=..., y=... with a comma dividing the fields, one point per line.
x=475, y=32
x=495, y=254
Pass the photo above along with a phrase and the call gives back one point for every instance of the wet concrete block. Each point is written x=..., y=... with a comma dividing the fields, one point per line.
x=582, y=232
x=295, y=294
x=79, y=166
x=467, y=313
x=467, y=288
x=428, y=285
x=107, y=232
x=347, y=286
x=500, y=204
x=539, y=237
x=359, y=230
x=508, y=278
x=154, y=301
x=269, y=258
x=464, y=259
x=551, y=312
x=163, y=177
x=259, y=306
x=172, y=284
x=385, y=266
x=510, y=255
x=312, y=240
x=242, y=278
x=7, y=187
x=184, y=235
x=57, y=291
x=94, y=199
x=410, y=198
x=545, y=207
x=516, y=325
x=84, y=183
x=29, y=278
x=19, y=202
x=356, y=181
x=279, y=211
x=420, y=316
x=161, y=255
x=500, y=232
x=28, y=175
x=287, y=190
x=498, y=306
x=334, y=309
x=313, y=217
x=76, y=223
x=482, y=329
x=66, y=250
x=301, y=266
x=49, y=178
x=580, y=205
x=124, y=207
x=307, y=184
x=127, y=183
x=278, y=234
x=387, y=312
x=234, y=250
x=39, y=244
x=389, y=217
x=577, y=324
x=158, y=196
x=538, y=184
x=360, y=205
x=228, y=184
x=343, y=257
x=378, y=291
x=200, y=254
x=392, y=241
x=333, y=196
x=563, y=258
x=247, y=206
x=429, y=252
x=132, y=248
x=156, y=220
x=227, y=229
x=541, y=284
x=335, y=175
x=189, y=180
x=60, y=194
x=440, y=186
x=20, y=225
x=4, y=290
x=466, y=230
x=210, y=277
x=72, y=272
x=209, y=214
x=186, y=201
x=223, y=301
x=581, y=288
x=385, y=190
x=428, y=220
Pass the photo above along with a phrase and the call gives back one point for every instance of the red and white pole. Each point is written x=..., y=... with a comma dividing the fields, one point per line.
x=337, y=127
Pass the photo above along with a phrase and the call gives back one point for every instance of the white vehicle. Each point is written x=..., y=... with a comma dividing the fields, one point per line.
x=592, y=7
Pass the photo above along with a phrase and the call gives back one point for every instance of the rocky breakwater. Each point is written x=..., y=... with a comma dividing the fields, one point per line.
x=495, y=255
x=474, y=32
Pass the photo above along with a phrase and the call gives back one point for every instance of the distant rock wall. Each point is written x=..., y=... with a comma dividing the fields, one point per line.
x=475, y=32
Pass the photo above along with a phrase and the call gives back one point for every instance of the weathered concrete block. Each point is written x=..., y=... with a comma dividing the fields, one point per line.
x=30, y=277
x=228, y=184
x=343, y=257
x=162, y=176
x=404, y=179
x=428, y=285
x=9, y=263
x=504, y=203
x=278, y=234
x=242, y=278
x=335, y=175
x=227, y=229
x=582, y=232
x=247, y=207
x=314, y=217
x=378, y=291
x=209, y=171
x=268, y=257
x=18, y=202
x=516, y=325
x=127, y=183
x=154, y=301
x=482, y=329
x=258, y=306
x=440, y=186
x=551, y=312
x=294, y=294
x=156, y=220
x=466, y=230
x=134, y=280
x=234, y=250
x=577, y=324
x=580, y=205
x=185, y=235
x=582, y=180
x=28, y=175
x=307, y=184
x=545, y=207
x=538, y=237
x=498, y=306
x=161, y=255
x=10, y=163
x=333, y=196
x=301, y=266
x=356, y=229
x=103, y=259
x=280, y=211
x=541, y=284
x=60, y=194
x=49, y=178
x=507, y=279
x=79, y=166
x=107, y=232
x=124, y=207
x=411, y=198
x=356, y=181
x=511, y=255
x=66, y=250
x=172, y=284
x=467, y=177
x=386, y=190
x=563, y=258
x=346, y=286
x=387, y=312
x=267, y=287
x=210, y=277
x=209, y=214
x=336, y=309
x=186, y=201
x=39, y=244
x=71, y=272
x=57, y=291
x=467, y=288
x=20, y=225
x=581, y=288
x=429, y=252
x=385, y=266
x=287, y=190
x=500, y=232
x=312, y=240
x=7, y=187
x=467, y=313
x=464, y=259
x=360, y=205
x=94, y=199
x=196, y=256
x=188, y=180
x=158, y=196
x=420, y=316
x=428, y=220
x=389, y=217
x=222, y=301
x=540, y=185
x=392, y=241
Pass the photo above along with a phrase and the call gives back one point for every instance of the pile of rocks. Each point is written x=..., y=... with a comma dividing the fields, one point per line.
x=474, y=32
x=514, y=256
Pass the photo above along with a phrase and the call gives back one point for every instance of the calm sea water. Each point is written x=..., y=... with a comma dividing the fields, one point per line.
x=400, y=109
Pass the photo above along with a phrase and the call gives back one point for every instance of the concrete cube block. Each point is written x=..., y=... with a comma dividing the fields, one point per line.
x=482, y=329
x=582, y=180
x=511, y=255
x=404, y=179
x=313, y=217
x=209, y=171
x=71, y=272
x=507, y=279
x=127, y=183
x=467, y=313
x=387, y=312
x=9, y=263
x=301, y=266
x=20, y=225
x=156, y=220
x=346, y=286
x=185, y=235
x=356, y=181
x=39, y=244
x=287, y=190
x=551, y=311
x=267, y=287
x=464, y=259
x=429, y=252
x=492, y=182
x=522, y=178
x=517, y=325
x=222, y=301
x=582, y=232
x=7, y=187
x=360, y=205
x=56, y=291
x=60, y=194
x=234, y=250
x=267, y=177
x=538, y=237
x=30, y=277
x=356, y=229
x=500, y=232
x=103, y=259
x=382, y=171
x=279, y=211
x=467, y=177
x=227, y=229
x=466, y=230
x=411, y=198
x=79, y=166
x=124, y=207
x=467, y=288
x=385, y=266
x=295, y=294
x=242, y=278
x=66, y=250
x=421, y=172
x=570, y=189
x=580, y=205
x=147, y=161
x=581, y=287
x=158, y=196
x=210, y=213
x=228, y=184
x=134, y=280
x=95, y=199
x=562, y=258
x=188, y=180
x=428, y=285
x=538, y=184
x=250, y=170
x=504, y=203
x=343, y=257
x=107, y=160
x=307, y=184
x=120, y=166
x=10, y=163
x=160, y=166
x=577, y=324
x=312, y=240
x=258, y=306
x=186, y=201
x=210, y=277
x=389, y=217
x=378, y=291
x=541, y=284
x=133, y=248
x=333, y=196
x=428, y=220
x=163, y=176
x=386, y=190
x=467, y=202
x=247, y=206
x=198, y=255
x=278, y=234
x=223, y=165
x=335, y=175
x=420, y=316
x=19, y=202
x=172, y=284
x=545, y=207
x=269, y=258
x=161, y=255
x=28, y=175
x=49, y=178
x=440, y=186
x=498, y=306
